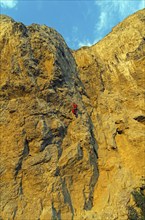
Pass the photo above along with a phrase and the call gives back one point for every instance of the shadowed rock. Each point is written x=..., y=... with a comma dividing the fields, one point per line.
x=61, y=166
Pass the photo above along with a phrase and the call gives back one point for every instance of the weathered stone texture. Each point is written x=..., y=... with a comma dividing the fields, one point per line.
x=57, y=166
x=45, y=151
x=113, y=73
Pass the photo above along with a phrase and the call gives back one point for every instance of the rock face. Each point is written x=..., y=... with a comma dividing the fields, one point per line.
x=58, y=166
x=113, y=74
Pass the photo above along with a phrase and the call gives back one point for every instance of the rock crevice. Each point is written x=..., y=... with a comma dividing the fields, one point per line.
x=55, y=165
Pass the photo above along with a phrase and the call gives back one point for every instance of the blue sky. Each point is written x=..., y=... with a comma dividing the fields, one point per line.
x=79, y=22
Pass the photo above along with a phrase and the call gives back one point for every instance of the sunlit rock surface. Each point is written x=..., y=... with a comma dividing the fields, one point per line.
x=58, y=166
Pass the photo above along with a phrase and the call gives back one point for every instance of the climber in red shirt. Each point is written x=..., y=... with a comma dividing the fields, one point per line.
x=75, y=109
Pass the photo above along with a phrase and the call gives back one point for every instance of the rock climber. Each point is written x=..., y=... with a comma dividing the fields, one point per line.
x=75, y=109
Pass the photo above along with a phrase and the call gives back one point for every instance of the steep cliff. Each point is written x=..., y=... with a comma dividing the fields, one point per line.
x=113, y=73
x=58, y=166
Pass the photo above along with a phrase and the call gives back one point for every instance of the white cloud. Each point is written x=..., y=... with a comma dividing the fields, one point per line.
x=107, y=14
x=8, y=3
x=75, y=40
x=102, y=21
x=84, y=43
x=113, y=11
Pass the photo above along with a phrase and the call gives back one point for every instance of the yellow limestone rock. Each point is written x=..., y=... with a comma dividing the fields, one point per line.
x=114, y=79
x=46, y=153
x=57, y=166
